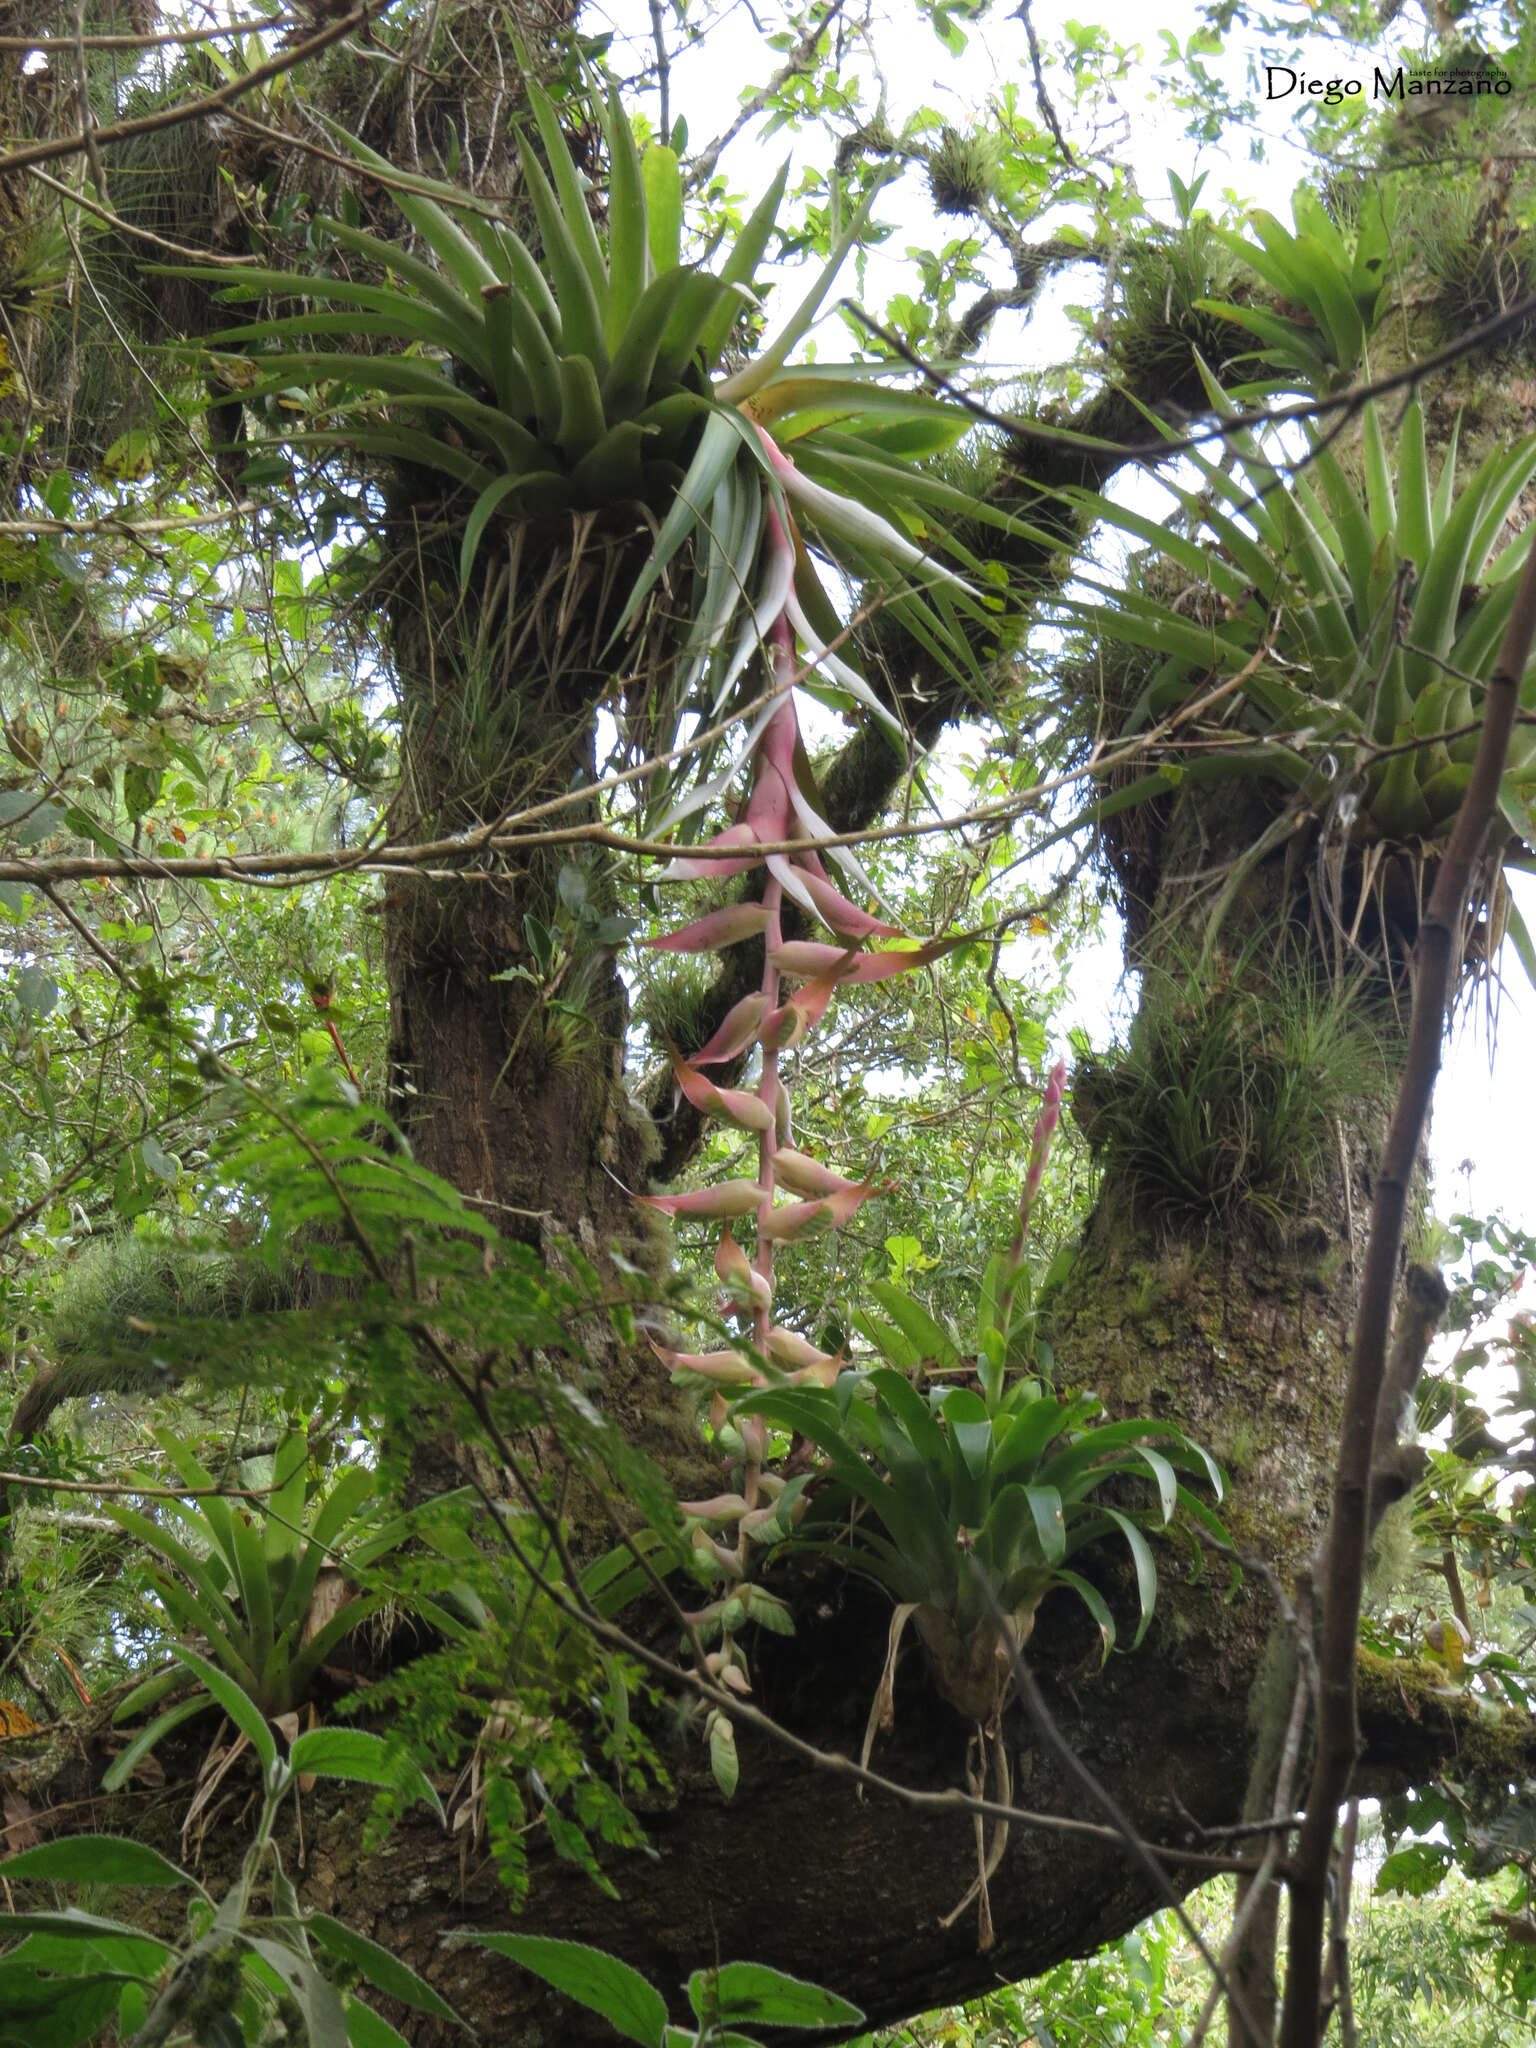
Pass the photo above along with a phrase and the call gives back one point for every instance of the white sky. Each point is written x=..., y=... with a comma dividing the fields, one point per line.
x=1482, y=1120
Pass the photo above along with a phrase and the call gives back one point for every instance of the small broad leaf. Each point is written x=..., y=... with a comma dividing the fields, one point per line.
x=53, y=2012
x=94, y=1859
x=366, y=1759
x=596, y=1980
x=368, y=2029
x=723, y=1760
x=35, y=991
x=740, y=1993
x=318, y=2000
x=1416, y=1870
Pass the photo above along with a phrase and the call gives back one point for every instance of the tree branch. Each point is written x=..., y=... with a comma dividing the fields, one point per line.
x=193, y=110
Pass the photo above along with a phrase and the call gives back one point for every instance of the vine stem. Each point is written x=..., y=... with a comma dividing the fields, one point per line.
x=1437, y=951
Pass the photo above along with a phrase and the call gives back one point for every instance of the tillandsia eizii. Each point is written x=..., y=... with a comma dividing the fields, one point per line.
x=800, y=980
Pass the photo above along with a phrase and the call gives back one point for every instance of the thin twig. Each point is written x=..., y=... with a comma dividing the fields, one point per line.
x=1042, y=97
x=663, y=69
x=178, y=38
x=194, y=110
x=1121, y=1828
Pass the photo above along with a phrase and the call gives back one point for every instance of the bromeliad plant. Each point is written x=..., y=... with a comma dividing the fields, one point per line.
x=1342, y=639
x=582, y=381
x=1337, y=281
x=967, y=1505
x=980, y=1495
x=261, y=1591
x=781, y=810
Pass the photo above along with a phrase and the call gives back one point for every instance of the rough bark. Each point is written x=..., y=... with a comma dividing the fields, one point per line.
x=798, y=1871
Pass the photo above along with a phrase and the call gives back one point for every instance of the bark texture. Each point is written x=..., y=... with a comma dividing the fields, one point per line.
x=796, y=1870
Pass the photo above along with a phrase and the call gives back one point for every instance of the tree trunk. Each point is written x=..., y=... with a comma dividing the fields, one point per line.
x=507, y=1012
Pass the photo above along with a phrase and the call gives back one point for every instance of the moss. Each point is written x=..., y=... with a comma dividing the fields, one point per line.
x=1226, y=1099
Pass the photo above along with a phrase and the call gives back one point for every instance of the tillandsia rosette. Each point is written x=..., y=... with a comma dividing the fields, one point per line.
x=1343, y=636
x=579, y=377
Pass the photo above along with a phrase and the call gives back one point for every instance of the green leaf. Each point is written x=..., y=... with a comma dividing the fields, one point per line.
x=594, y=1979
x=366, y=1759
x=739, y=1994
x=1520, y=938
x=94, y=1859
x=629, y=254
x=237, y=1704
x=724, y=1764
x=118, y=1771
x=1146, y=1569
x=377, y=1966
x=1093, y=1600
x=481, y=514
x=283, y=1533
x=581, y=317
x=318, y=2000
x=69, y=1923
x=366, y=2029
x=575, y=213
x=719, y=446
x=662, y=179
x=740, y=267
x=934, y=1345
x=1045, y=1507
x=1416, y=1870
x=54, y=2012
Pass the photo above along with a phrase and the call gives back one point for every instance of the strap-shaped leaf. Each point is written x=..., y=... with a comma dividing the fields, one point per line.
x=1146, y=1569
x=237, y=1704
x=581, y=317
x=120, y=1769
x=741, y=266
x=573, y=199
x=629, y=253
x=454, y=249
x=911, y=1317
x=283, y=1532
x=1095, y=1603
x=661, y=175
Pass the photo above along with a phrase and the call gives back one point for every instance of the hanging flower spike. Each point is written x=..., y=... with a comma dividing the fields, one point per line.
x=1040, y=1148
